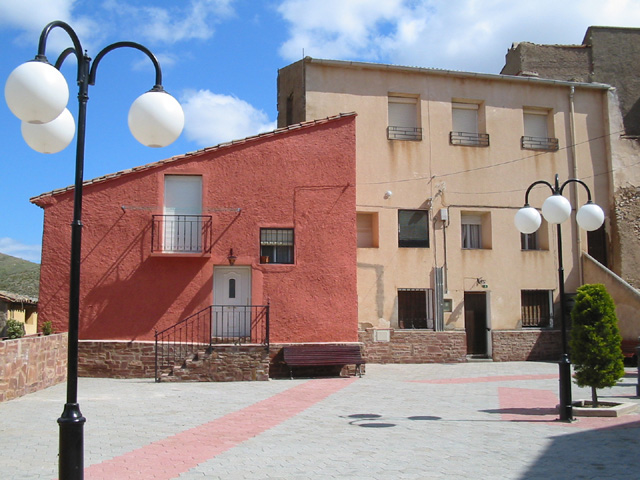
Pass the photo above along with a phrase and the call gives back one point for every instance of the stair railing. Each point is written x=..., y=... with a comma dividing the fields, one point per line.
x=216, y=324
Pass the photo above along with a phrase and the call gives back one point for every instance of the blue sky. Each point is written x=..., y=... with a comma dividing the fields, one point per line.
x=220, y=60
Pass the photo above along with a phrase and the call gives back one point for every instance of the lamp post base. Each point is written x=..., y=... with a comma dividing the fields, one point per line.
x=566, y=404
x=71, y=461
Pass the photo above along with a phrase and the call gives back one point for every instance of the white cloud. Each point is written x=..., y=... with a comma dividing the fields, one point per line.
x=212, y=118
x=458, y=34
x=182, y=21
x=10, y=246
x=31, y=16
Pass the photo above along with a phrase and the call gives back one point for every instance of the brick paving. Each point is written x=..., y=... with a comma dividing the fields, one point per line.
x=454, y=421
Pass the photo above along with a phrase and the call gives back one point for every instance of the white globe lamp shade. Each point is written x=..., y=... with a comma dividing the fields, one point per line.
x=556, y=209
x=36, y=92
x=50, y=137
x=527, y=220
x=156, y=119
x=590, y=217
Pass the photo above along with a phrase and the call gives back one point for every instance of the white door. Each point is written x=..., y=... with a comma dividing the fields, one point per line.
x=232, y=302
x=182, y=210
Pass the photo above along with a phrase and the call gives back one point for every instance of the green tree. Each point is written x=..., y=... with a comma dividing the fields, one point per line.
x=596, y=350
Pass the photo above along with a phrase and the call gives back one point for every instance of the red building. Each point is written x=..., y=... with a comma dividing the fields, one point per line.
x=218, y=236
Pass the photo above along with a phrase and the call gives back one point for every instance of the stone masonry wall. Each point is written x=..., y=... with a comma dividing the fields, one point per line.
x=521, y=345
x=116, y=359
x=121, y=359
x=415, y=346
x=30, y=364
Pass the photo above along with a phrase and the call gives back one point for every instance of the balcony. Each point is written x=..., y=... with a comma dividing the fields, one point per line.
x=469, y=139
x=181, y=234
x=539, y=143
x=404, y=133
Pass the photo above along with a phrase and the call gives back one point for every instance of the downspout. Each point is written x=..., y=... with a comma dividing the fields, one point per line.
x=574, y=190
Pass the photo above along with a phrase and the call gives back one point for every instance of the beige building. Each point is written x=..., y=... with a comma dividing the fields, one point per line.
x=443, y=163
x=22, y=308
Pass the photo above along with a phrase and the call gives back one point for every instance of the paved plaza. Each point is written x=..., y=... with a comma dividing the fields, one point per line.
x=455, y=421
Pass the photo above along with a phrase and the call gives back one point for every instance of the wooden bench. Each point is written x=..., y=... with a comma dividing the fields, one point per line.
x=322, y=355
x=629, y=348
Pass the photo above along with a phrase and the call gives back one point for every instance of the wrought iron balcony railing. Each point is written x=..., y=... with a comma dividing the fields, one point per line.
x=404, y=133
x=539, y=143
x=469, y=139
x=181, y=234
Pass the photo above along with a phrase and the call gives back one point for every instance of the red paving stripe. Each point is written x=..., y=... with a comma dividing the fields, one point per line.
x=527, y=405
x=172, y=456
x=497, y=378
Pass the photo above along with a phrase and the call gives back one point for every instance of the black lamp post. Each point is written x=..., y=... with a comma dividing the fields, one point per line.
x=37, y=93
x=556, y=209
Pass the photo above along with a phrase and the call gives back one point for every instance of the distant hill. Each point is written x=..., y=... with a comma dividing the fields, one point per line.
x=19, y=276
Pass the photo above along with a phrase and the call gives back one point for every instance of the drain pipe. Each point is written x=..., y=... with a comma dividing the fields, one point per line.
x=574, y=190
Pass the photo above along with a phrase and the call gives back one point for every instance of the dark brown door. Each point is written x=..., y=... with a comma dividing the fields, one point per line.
x=475, y=322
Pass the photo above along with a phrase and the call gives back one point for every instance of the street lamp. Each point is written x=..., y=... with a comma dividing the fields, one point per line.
x=556, y=209
x=37, y=93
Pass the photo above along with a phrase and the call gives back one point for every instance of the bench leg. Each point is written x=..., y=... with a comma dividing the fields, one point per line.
x=358, y=370
x=290, y=372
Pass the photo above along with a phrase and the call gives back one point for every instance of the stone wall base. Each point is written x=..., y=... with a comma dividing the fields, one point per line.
x=521, y=345
x=30, y=364
x=413, y=346
x=122, y=359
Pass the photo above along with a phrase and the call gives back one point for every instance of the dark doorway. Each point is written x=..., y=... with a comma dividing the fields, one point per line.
x=475, y=322
x=597, y=245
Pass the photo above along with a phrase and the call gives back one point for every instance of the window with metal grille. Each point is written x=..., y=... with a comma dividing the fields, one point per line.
x=536, y=135
x=415, y=308
x=413, y=228
x=276, y=245
x=465, y=126
x=536, y=308
x=403, y=119
x=529, y=241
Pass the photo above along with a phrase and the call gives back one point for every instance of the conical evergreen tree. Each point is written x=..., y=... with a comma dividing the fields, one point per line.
x=596, y=350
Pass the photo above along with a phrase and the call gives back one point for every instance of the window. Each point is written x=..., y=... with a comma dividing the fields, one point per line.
x=465, y=130
x=413, y=228
x=471, y=231
x=536, y=308
x=536, y=134
x=403, y=119
x=276, y=245
x=367, y=230
x=529, y=241
x=415, y=308
x=182, y=223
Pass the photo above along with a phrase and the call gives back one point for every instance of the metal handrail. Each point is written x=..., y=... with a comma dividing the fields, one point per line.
x=215, y=324
x=469, y=139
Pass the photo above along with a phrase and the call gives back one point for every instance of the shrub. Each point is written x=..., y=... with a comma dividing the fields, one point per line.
x=47, y=329
x=15, y=329
x=596, y=350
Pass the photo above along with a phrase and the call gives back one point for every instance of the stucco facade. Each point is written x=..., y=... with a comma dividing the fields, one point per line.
x=606, y=55
x=300, y=180
x=433, y=170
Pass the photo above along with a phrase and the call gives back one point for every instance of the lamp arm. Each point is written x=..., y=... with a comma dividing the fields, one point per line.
x=539, y=182
x=142, y=48
x=575, y=180
x=77, y=46
x=64, y=55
